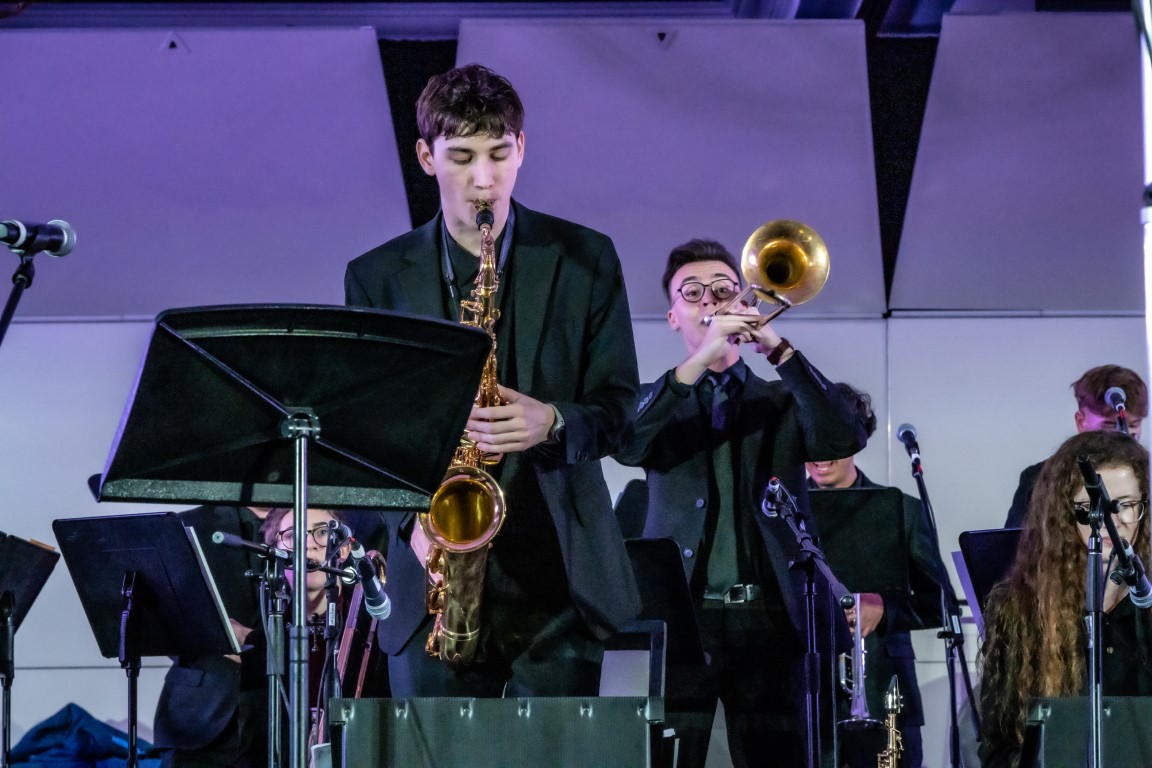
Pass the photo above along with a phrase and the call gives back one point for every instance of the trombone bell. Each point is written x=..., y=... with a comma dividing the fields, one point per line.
x=786, y=260
x=783, y=262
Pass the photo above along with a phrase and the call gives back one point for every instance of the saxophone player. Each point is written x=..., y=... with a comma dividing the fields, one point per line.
x=558, y=581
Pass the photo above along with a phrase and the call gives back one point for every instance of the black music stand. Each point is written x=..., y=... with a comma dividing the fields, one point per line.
x=863, y=537
x=24, y=570
x=988, y=555
x=864, y=540
x=276, y=405
x=146, y=591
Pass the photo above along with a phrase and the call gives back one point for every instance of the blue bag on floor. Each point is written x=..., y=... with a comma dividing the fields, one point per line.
x=72, y=738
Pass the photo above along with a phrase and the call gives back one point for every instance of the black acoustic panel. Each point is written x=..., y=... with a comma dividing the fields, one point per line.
x=591, y=732
x=1057, y=733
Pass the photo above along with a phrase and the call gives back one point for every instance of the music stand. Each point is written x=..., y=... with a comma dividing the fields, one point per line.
x=146, y=590
x=987, y=557
x=271, y=405
x=863, y=537
x=865, y=543
x=24, y=570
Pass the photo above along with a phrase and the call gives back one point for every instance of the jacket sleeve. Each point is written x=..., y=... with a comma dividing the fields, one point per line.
x=829, y=427
x=595, y=420
x=639, y=445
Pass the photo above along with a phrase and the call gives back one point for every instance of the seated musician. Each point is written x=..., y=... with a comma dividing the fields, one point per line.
x=1035, y=642
x=278, y=532
x=1092, y=413
x=885, y=620
x=199, y=721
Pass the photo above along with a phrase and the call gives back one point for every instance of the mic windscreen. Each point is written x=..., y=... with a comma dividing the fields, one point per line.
x=906, y=433
x=1115, y=397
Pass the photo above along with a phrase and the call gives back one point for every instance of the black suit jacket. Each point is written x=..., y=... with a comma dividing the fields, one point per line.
x=782, y=424
x=1023, y=495
x=201, y=694
x=573, y=348
x=890, y=647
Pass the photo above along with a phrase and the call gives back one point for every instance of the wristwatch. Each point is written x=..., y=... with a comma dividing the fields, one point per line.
x=555, y=433
x=778, y=351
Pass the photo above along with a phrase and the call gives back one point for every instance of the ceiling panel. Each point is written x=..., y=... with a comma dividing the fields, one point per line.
x=1027, y=190
x=199, y=166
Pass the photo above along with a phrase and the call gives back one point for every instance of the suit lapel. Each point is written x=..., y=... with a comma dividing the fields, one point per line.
x=421, y=278
x=534, y=265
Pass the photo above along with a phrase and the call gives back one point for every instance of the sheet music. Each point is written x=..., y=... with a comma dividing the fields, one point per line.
x=211, y=582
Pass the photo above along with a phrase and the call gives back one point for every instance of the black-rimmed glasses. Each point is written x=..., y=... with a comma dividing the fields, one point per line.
x=722, y=289
x=319, y=535
x=1127, y=512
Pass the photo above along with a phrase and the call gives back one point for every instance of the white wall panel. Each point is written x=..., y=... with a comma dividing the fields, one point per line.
x=659, y=131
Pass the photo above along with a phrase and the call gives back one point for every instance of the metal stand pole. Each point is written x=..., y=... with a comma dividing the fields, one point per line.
x=300, y=428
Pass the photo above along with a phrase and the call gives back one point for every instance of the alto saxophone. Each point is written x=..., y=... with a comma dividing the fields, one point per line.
x=467, y=509
x=889, y=757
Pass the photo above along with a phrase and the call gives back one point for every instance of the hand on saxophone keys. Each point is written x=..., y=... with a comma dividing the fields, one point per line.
x=517, y=426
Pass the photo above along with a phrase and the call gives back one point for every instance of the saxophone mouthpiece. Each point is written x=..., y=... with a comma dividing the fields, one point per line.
x=484, y=215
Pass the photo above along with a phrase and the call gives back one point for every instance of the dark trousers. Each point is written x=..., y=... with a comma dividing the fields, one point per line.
x=752, y=665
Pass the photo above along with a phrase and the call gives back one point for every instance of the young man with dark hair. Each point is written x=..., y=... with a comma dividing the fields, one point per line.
x=710, y=434
x=558, y=580
x=1093, y=414
x=884, y=620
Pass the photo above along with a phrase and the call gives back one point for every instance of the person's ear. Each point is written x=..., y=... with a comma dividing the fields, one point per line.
x=424, y=155
x=1079, y=421
x=673, y=322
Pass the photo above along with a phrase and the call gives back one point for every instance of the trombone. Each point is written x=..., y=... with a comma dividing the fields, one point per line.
x=785, y=263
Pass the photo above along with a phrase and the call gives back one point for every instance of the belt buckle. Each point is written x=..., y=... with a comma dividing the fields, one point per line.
x=740, y=593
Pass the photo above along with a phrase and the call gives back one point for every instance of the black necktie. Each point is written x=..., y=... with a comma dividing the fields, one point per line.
x=723, y=569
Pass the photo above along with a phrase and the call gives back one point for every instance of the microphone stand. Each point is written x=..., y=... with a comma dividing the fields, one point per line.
x=331, y=688
x=779, y=503
x=950, y=631
x=1100, y=511
x=273, y=604
x=21, y=279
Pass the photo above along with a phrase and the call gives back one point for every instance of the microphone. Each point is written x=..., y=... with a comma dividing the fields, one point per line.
x=338, y=533
x=1139, y=588
x=774, y=496
x=376, y=600
x=906, y=433
x=56, y=238
x=232, y=540
x=1097, y=493
x=1115, y=398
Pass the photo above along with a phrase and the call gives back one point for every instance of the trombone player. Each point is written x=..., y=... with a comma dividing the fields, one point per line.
x=710, y=434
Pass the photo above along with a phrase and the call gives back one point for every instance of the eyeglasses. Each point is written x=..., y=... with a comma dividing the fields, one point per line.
x=319, y=535
x=722, y=290
x=1127, y=512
